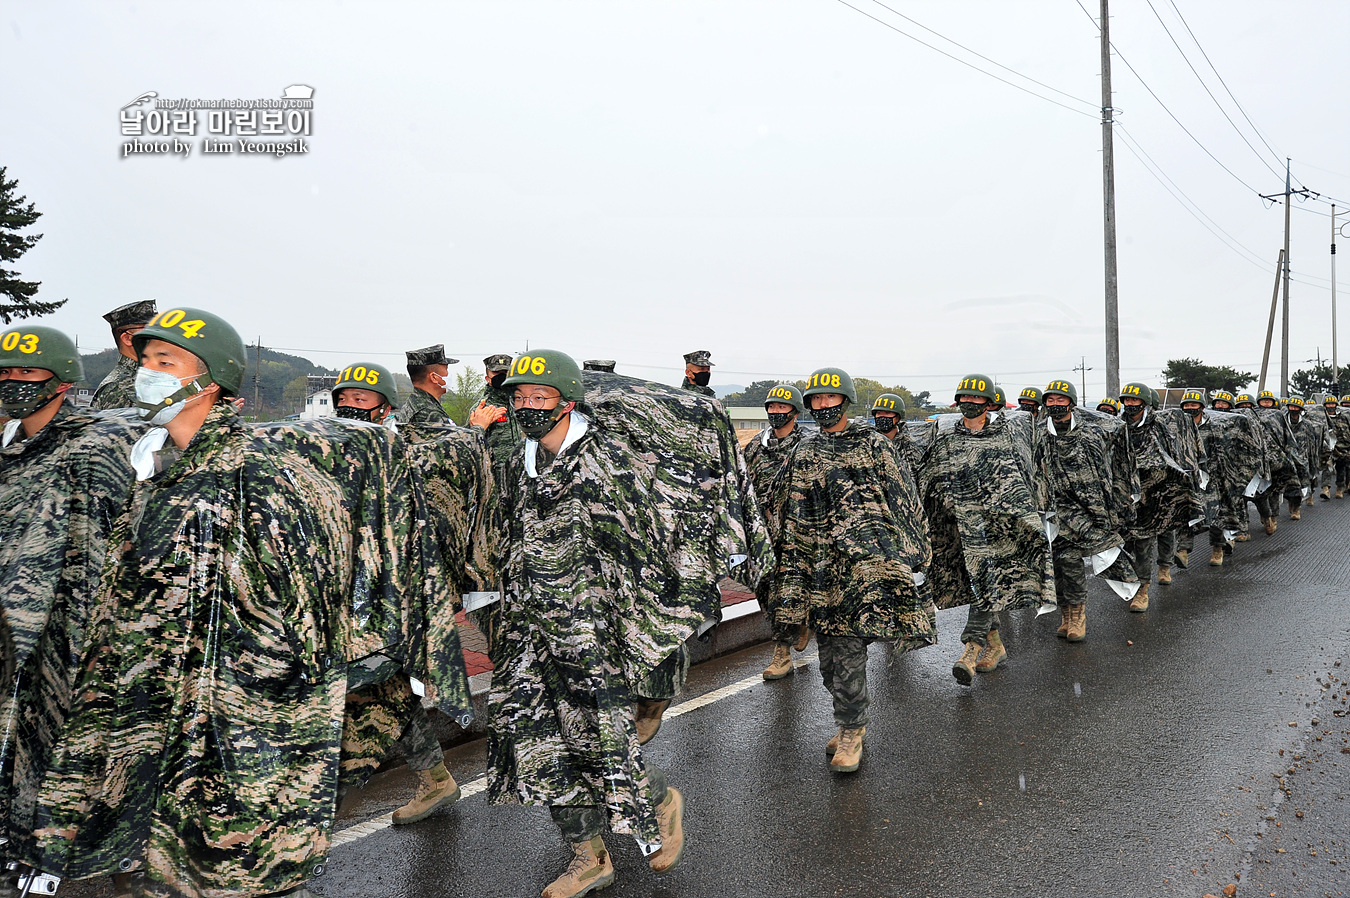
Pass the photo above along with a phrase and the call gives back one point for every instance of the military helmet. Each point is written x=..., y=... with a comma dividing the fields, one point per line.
x=1136, y=390
x=830, y=380
x=890, y=402
x=1221, y=396
x=1061, y=388
x=786, y=393
x=368, y=376
x=1113, y=404
x=1244, y=397
x=1000, y=398
x=1030, y=393
x=36, y=346
x=1345, y=400
x=1295, y=401
x=1194, y=396
x=1154, y=399
x=209, y=337
x=548, y=367
x=1329, y=399
x=978, y=385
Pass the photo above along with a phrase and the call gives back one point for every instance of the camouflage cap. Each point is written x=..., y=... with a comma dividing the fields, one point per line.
x=133, y=314
x=499, y=362
x=429, y=355
x=598, y=365
x=700, y=358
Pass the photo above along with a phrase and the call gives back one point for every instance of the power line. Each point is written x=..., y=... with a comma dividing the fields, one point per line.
x=1088, y=103
x=1206, y=87
x=1164, y=106
x=1224, y=83
x=966, y=63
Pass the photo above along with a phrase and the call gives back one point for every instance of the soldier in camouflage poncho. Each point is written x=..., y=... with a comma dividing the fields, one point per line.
x=1339, y=417
x=254, y=565
x=1312, y=435
x=1093, y=490
x=429, y=371
x=1285, y=465
x=1231, y=458
x=765, y=455
x=118, y=389
x=618, y=531
x=1167, y=451
x=64, y=479
x=985, y=491
x=888, y=417
x=502, y=434
x=852, y=549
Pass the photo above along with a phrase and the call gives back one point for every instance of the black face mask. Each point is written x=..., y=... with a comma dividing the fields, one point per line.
x=779, y=420
x=972, y=409
x=1133, y=412
x=535, y=423
x=21, y=398
x=828, y=417
x=1059, y=412
x=357, y=414
x=884, y=423
x=1029, y=407
x=496, y=379
x=702, y=377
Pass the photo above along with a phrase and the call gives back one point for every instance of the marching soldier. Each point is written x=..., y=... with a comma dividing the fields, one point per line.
x=888, y=417
x=118, y=389
x=1109, y=406
x=502, y=432
x=851, y=551
x=1341, y=455
x=765, y=456
x=1030, y=401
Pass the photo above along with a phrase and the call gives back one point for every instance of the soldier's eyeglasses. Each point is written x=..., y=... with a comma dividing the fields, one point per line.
x=536, y=401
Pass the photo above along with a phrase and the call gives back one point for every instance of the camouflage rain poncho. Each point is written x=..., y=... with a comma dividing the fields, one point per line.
x=60, y=493
x=503, y=437
x=1167, y=451
x=1314, y=439
x=1285, y=465
x=1340, y=427
x=1093, y=480
x=985, y=493
x=612, y=562
x=765, y=456
x=1234, y=459
x=203, y=746
x=852, y=541
x=118, y=389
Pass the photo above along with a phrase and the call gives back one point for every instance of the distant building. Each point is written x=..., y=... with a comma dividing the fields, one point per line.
x=83, y=396
x=318, y=405
x=748, y=417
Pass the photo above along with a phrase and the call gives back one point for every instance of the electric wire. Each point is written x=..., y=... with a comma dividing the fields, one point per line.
x=965, y=62
x=1224, y=112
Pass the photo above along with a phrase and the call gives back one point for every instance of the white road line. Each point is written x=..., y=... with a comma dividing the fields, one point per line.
x=370, y=827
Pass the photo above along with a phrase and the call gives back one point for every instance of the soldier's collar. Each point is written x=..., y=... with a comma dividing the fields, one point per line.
x=1050, y=424
x=576, y=429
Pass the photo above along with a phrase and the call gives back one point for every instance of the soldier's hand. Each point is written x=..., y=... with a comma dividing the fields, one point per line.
x=484, y=416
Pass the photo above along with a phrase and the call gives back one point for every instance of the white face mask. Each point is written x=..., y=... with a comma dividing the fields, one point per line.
x=153, y=387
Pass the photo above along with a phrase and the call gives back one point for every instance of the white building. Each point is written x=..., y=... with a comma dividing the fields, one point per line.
x=318, y=405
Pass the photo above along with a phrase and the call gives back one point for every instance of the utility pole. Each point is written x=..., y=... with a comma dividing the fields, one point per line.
x=1109, y=215
x=257, y=369
x=1270, y=328
x=1304, y=193
x=1083, y=369
x=1335, y=361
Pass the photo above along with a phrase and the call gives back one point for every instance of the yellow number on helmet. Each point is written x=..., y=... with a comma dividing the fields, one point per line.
x=372, y=377
x=359, y=372
x=980, y=386
x=834, y=380
x=171, y=317
x=29, y=343
x=191, y=328
x=538, y=365
x=9, y=341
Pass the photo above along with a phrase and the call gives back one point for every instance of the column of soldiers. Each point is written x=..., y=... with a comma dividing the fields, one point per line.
x=217, y=629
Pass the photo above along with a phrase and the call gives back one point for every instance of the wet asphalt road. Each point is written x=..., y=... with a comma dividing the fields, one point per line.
x=1150, y=760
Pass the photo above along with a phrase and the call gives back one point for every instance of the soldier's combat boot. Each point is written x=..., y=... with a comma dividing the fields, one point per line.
x=849, y=754
x=435, y=788
x=1295, y=509
x=1139, y=603
x=833, y=745
x=1326, y=493
x=1271, y=524
x=1340, y=493
x=1164, y=575
x=589, y=871
x=993, y=655
x=964, y=668
x=1065, y=612
x=670, y=817
x=1077, y=623
x=1216, y=556
x=1183, y=557
x=648, y=716
x=781, y=665
x=803, y=637
x=1244, y=536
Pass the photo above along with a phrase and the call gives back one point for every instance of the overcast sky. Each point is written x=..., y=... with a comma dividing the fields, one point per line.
x=789, y=185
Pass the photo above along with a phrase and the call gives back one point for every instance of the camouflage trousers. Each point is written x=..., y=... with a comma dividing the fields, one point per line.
x=1186, y=539
x=376, y=717
x=1144, y=554
x=1070, y=574
x=980, y=622
x=1342, y=473
x=843, y=668
x=666, y=680
x=1267, y=503
x=581, y=823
